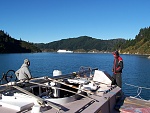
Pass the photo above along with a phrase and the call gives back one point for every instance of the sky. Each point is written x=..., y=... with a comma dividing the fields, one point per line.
x=44, y=21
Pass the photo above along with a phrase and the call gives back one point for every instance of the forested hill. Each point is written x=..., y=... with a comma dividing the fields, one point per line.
x=83, y=44
x=11, y=45
x=139, y=45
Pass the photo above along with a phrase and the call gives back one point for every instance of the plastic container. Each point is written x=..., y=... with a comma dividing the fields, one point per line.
x=57, y=73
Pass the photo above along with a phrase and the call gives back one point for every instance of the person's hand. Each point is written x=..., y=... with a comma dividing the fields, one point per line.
x=112, y=70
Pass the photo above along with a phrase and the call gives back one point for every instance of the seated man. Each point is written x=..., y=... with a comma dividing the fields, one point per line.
x=23, y=73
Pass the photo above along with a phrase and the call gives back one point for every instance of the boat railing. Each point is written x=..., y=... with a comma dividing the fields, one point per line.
x=139, y=90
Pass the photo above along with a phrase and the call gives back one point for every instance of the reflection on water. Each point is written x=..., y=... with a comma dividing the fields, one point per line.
x=136, y=68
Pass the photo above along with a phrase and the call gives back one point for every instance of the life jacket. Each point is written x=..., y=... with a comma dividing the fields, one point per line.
x=118, y=65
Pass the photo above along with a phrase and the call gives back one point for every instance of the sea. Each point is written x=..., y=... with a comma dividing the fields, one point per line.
x=135, y=76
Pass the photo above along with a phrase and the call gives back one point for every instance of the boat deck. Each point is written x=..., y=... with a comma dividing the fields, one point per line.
x=105, y=98
x=83, y=105
x=130, y=105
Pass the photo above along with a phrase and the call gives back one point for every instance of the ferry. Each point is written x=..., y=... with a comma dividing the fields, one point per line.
x=88, y=90
x=64, y=51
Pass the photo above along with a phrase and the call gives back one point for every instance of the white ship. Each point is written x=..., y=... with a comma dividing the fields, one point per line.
x=64, y=51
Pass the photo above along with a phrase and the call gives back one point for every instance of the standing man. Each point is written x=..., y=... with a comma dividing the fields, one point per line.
x=23, y=73
x=117, y=69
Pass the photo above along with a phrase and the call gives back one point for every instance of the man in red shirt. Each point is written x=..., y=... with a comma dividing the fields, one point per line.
x=117, y=69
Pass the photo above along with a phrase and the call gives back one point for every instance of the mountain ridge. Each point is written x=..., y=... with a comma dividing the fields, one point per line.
x=139, y=45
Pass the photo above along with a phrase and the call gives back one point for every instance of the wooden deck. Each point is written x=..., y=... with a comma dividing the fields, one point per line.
x=135, y=105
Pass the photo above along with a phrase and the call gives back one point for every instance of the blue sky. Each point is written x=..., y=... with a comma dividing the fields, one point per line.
x=43, y=21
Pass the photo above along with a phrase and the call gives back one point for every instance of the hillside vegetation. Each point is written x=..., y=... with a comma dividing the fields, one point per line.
x=11, y=45
x=139, y=45
x=83, y=44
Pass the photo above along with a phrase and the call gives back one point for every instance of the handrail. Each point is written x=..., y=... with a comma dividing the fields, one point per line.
x=139, y=90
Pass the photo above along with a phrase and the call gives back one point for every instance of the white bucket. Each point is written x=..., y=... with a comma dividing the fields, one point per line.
x=57, y=73
x=36, y=109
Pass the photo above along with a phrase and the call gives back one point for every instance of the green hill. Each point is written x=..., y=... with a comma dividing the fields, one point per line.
x=83, y=44
x=11, y=45
x=139, y=45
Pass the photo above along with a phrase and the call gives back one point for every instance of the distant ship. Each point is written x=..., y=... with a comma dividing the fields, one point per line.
x=64, y=51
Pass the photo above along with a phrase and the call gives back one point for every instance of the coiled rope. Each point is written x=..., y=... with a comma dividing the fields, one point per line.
x=139, y=90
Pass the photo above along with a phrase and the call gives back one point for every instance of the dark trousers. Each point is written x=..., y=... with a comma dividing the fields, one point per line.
x=117, y=79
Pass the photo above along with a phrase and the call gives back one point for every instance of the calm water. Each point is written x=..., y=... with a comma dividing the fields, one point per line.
x=136, y=68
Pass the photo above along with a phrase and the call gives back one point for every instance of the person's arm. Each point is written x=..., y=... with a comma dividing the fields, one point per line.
x=17, y=73
x=27, y=72
x=120, y=67
x=113, y=67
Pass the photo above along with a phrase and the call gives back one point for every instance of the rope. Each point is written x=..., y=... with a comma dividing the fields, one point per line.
x=137, y=86
x=139, y=90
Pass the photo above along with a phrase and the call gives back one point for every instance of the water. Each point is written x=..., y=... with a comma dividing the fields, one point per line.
x=136, y=68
